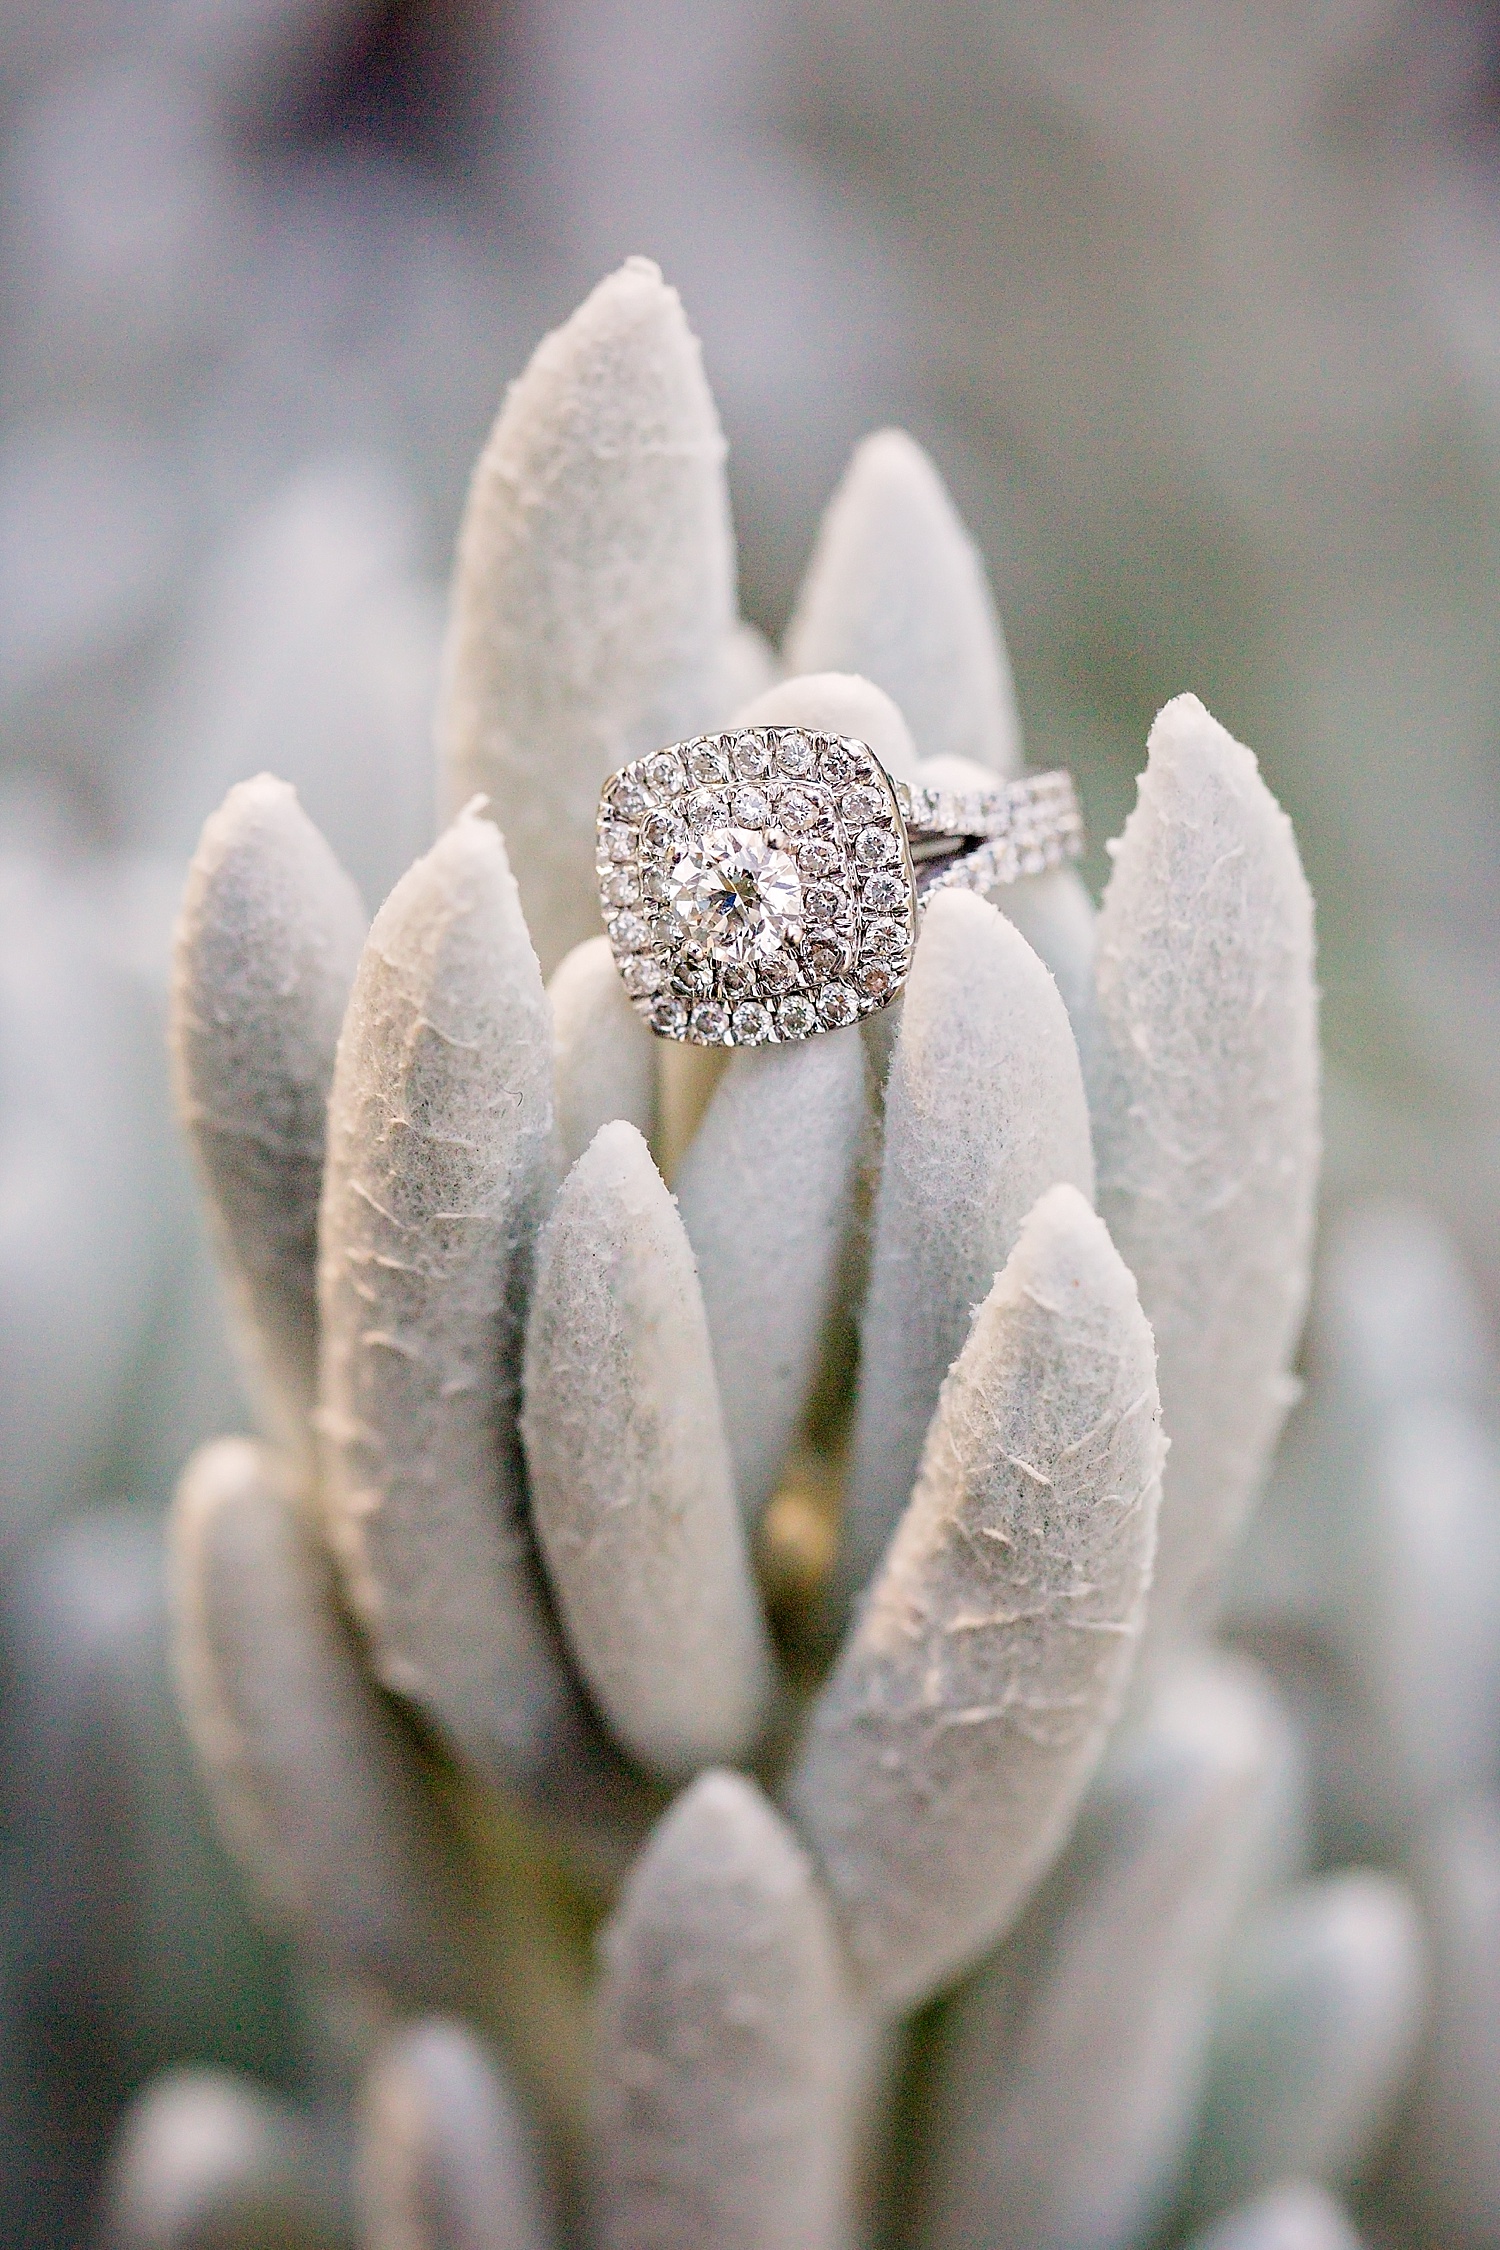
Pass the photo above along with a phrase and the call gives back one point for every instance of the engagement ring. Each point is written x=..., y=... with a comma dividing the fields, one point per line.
x=767, y=883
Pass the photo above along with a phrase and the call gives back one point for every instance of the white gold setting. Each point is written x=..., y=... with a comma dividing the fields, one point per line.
x=766, y=883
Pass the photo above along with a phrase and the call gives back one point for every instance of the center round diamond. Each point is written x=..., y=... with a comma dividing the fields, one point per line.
x=736, y=893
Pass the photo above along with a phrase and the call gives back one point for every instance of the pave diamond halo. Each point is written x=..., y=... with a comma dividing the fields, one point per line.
x=732, y=888
x=766, y=884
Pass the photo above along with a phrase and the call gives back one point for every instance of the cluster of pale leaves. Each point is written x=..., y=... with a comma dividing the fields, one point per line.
x=714, y=1514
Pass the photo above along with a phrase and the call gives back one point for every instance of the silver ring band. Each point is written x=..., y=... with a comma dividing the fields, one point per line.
x=976, y=839
x=767, y=883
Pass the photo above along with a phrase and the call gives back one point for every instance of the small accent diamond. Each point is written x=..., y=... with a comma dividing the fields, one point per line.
x=710, y=1023
x=752, y=1023
x=620, y=888
x=631, y=931
x=818, y=857
x=661, y=831
x=752, y=757
x=665, y=774
x=642, y=973
x=823, y=902
x=628, y=799
x=669, y=1015
x=835, y=764
x=864, y=803
x=704, y=807
x=619, y=843
x=876, y=980
x=794, y=754
x=777, y=972
x=876, y=847
x=656, y=882
x=705, y=763
x=796, y=810
x=838, y=1005
x=692, y=973
x=884, y=894
x=751, y=808
x=884, y=937
x=796, y=1017
x=825, y=952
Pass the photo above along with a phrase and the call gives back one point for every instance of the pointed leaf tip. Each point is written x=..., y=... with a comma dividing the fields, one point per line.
x=1298, y=2215
x=264, y=953
x=631, y=1488
x=721, y=2038
x=446, y=2160
x=313, y=1784
x=1204, y=1089
x=984, y=1110
x=439, y=1167
x=946, y=1754
x=593, y=593
x=204, y=2156
x=897, y=590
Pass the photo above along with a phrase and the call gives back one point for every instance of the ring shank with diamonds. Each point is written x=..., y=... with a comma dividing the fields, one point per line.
x=767, y=883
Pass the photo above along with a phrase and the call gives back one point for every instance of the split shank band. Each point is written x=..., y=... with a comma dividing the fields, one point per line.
x=766, y=883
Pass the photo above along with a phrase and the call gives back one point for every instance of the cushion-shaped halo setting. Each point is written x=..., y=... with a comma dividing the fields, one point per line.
x=757, y=885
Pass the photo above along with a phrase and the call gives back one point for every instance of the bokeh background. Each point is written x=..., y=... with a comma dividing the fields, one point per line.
x=1196, y=307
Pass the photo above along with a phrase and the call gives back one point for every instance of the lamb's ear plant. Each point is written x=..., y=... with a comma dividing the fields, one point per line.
x=1204, y=1098
x=1068, y=2070
x=1371, y=1577
x=1298, y=2215
x=267, y=945
x=443, y=2153
x=896, y=592
x=553, y=1534
x=204, y=2156
x=1318, y=2020
x=593, y=611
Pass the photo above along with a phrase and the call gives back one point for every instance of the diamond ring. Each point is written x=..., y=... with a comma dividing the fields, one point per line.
x=767, y=883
